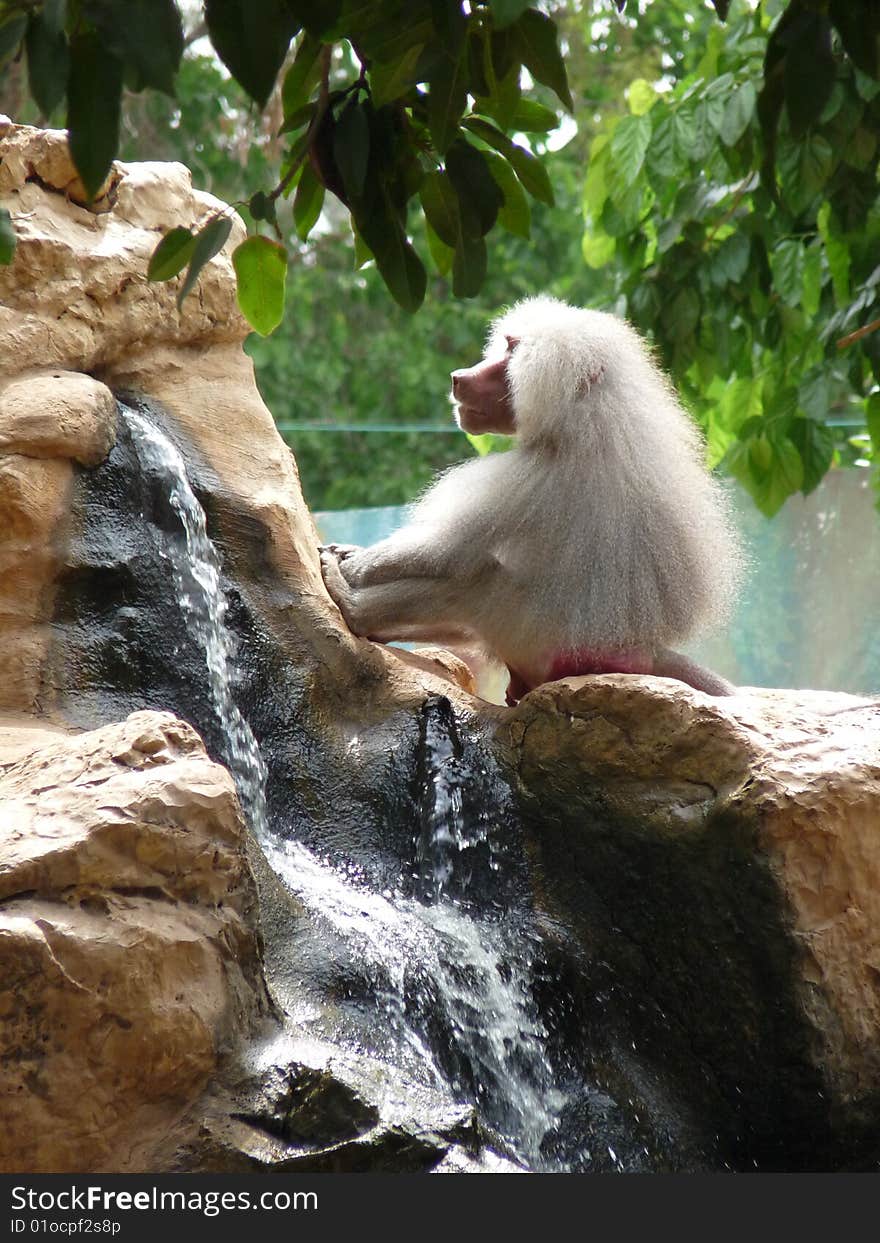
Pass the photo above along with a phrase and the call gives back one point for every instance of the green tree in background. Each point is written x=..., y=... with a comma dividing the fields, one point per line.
x=738, y=218
x=716, y=182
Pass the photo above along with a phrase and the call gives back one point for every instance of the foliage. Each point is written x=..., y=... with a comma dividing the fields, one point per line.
x=384, y=104
x=731, y=200
x=350, y=357
x=737, y=217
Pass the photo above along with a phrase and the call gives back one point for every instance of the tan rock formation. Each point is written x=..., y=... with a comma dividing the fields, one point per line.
x=794, y=779
x=57, y=414
x=34, y=500
x=127, y=966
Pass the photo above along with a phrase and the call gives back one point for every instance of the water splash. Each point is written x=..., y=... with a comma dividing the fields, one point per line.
x=452, y=982
x=487, y=962
x=452, y=989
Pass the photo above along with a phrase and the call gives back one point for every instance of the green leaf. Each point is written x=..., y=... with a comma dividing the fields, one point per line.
x=786, y=264
x=489, y=442
x=478, y=82
x=809, y=69
x=814, y=394
x=641, y=97
x=531, y=117
x=447, y=99
x=55, y=15
x=262, y=207
x=294, y=161
x=836, y=253
x=527, y=167
x=731, y=261
x=94, y=94
x=538, y=45
x=469, y=267
x=362, y=252
x=662, y=158
x=145, y=34
x=251, y=37
x=298, y=118
x=210, y=240
x=301, y=76
x=7, y=238
x=442, y=254
x=629, y=143
x=596, y=180
x=872, y=418
x=684, y=132
x=504, y=12
x=401, y=268
x=503, y=100
x=450, y=25
x=307, y=203
x=684, y=314
x=812, y=278
x=597, y=248
x=514, y=214
x=478, y=194
x=858, y=24
x=351, y=148
x=770, y=469
x=816, y=162
x=391, y=79
x=440, y=205
x=318, y=19
x=480, y=444
x=861, y=147
x=261, y=271
x=815, y=444
x=12, y=31
x=171, y=255
x=48, y=63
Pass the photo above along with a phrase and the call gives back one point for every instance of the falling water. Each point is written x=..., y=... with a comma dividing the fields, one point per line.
x=453, y=984
x=195, y=567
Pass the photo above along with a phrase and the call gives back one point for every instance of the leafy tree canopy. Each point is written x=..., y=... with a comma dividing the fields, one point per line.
x=738, y=217
x=384, y=102
x=730, y=204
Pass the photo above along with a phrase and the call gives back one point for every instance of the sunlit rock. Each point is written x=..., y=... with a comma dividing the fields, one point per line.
x=57, y=414
x=127, y=965
x=718, y=862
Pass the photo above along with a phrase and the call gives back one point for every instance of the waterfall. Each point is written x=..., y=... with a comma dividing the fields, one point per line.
x=453, y=982
x=196, y=570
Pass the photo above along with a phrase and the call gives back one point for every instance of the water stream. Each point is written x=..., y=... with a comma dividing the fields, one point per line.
x=451, y=978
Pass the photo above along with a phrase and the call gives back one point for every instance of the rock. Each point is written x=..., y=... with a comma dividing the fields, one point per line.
x=34, y=504
x=57, y=414
x=312, y=1107
x=76, y=295
x=127, y=964
x=719, y=865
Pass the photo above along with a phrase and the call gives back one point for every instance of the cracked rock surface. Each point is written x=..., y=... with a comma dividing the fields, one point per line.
x=127, y=964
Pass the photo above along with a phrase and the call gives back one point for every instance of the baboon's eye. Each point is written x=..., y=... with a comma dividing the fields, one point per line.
x=512, y=343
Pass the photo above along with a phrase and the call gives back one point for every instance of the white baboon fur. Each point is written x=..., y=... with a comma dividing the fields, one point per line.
x=601, y=529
